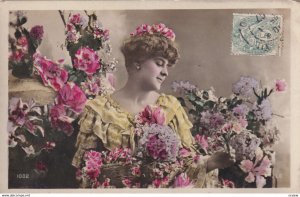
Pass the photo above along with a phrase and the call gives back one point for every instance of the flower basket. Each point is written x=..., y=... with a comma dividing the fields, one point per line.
x=148, y=176
x=117, y=173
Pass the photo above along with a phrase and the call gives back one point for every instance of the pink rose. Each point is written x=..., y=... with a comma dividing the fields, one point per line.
x=183, y=152
x=72, y=96
x=127, y=182
x=92, y=172
x=141, y=29
x=40, y=166
x=87, y=60
x=92, y=87
x=106, y=183
x=280, y=85
x=101, y=33
x=94, y=155
x=60, y=121
x=136, y=171
x=156, y=183
x=182, y=180
x=75, y=19
x=202, y=141
x=50, y=72
x=152, y=116
x=227, y=183
x=23, y=42
x=17, y=55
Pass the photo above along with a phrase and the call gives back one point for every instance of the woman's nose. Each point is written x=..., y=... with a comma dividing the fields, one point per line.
x=164, y=71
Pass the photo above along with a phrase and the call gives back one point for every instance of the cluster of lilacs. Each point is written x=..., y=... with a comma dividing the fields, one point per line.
x=160, y=150
x=23, y=45
x=157, y=161
x=241, y=125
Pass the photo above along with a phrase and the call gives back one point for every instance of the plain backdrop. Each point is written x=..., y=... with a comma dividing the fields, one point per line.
x=204, y=39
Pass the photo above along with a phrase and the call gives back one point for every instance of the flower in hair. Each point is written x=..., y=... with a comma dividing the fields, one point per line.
x=154, y=29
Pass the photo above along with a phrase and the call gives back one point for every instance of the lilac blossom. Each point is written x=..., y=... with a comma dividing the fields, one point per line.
x=241, y=110
x=37, y=32
x=244, y=86
x=263, y=111
x=184, y=86
x=245, y=145
x=212, y=120
x=160, y=142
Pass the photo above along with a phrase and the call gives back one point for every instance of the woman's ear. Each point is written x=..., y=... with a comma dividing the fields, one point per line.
x=137, y=65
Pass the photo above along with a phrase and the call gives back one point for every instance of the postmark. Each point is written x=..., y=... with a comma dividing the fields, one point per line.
x=257, y=34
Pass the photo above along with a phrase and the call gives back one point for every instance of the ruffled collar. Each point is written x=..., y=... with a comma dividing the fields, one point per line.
x=116, y=105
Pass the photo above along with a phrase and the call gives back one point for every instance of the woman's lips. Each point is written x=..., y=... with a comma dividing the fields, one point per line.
x=159, y=79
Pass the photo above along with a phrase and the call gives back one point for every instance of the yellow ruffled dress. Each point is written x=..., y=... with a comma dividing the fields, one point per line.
x=104, y=124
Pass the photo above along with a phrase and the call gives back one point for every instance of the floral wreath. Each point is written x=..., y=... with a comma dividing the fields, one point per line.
x=154, y=29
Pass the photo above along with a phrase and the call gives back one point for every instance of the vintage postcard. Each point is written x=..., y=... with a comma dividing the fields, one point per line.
x=104, y=96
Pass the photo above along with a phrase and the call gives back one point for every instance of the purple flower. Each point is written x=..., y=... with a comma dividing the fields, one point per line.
x=182, y=86
x=37, y=32
x=245, y=145
x=244, y=86
x=241, y=110
x=160, y=143
x=212, y=120
x=264, y=110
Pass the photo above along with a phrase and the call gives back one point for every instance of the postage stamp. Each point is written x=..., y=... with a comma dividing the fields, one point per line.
x=257, y=34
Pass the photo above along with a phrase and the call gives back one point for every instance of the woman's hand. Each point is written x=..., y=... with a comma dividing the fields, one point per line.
x=220, y=160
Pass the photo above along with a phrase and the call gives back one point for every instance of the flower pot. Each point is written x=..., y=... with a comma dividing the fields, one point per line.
x=30, y=88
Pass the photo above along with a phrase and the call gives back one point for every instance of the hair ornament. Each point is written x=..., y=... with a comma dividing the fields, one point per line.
x=154, y=29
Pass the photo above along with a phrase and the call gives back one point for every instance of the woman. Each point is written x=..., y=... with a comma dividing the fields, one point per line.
x=108, y=122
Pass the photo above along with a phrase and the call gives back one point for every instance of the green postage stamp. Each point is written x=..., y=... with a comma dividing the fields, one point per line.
x=257, y=34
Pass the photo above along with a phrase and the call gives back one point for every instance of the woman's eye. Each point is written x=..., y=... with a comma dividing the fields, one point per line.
x=159, y=63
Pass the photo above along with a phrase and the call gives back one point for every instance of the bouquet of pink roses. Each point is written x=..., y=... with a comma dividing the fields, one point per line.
x=117, y=168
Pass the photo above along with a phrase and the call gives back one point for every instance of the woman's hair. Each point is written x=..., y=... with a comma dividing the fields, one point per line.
x=141, y=47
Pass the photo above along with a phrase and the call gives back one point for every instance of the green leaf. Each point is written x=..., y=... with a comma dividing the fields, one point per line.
x=18, y=34
x=209, y=104
x=265, y=93
x=199, y=102
x=73, y=78
x=193, y=112
x=205, y=95
x=191, y=97
x=182, y=102
x=22, y=21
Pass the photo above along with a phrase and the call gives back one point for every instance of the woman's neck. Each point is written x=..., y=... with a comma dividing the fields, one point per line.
x=135, y=94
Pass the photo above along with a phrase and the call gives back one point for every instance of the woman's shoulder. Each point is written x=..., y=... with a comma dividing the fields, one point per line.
x=104, y=107
x=168, y=101
x=96, y=104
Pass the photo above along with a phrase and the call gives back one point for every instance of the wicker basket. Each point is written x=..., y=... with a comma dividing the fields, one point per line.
x=116, y=173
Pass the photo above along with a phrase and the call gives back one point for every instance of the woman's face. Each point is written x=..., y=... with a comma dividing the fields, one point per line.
x=152, y=73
